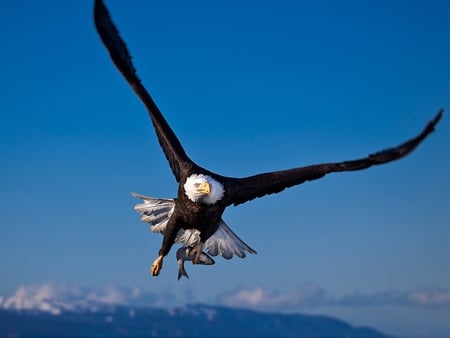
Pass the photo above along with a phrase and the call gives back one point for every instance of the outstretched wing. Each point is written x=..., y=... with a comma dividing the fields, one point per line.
x=118, y=51
x=246, y=189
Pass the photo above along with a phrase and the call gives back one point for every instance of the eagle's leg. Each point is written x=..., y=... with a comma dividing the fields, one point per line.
x=157, y=266
x=168, y=239
x=197, y=252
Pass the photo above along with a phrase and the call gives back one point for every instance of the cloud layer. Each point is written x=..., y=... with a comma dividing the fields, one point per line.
x=55, y=298
x=313, y=296
x=306, y=296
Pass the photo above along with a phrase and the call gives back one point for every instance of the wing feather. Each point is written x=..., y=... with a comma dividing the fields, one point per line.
x=155, y=211
x=173, y=150
x=246, y=189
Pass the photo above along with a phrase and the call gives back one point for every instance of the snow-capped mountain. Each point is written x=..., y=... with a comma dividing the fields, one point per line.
x=188, y=321
x=58, y=298
x=63, y=310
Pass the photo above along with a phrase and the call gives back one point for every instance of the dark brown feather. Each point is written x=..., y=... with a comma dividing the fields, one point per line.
x=260, y=185
x=175, y=154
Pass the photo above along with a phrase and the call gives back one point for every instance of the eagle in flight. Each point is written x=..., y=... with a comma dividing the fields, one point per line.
x=194, y=217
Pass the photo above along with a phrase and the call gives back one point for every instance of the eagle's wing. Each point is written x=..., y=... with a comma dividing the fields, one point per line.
x=246, y=189
x=223, y=242
x=155, y=211
x=118, y=51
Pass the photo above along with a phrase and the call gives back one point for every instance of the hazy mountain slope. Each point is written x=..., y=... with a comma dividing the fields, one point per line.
x=189, y=321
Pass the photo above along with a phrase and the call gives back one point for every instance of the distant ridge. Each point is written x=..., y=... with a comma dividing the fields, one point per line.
x=188, y=321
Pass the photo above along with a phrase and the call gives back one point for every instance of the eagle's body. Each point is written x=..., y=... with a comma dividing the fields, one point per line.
x=192, y=215
x=194, y=218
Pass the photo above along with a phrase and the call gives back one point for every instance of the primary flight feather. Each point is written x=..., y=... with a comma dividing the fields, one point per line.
x=194, y=217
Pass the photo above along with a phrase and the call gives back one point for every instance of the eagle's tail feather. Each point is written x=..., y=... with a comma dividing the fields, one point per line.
x=226, y=243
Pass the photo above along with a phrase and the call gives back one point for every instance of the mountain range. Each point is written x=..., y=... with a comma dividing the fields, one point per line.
x=188, y=321
x=45, y=314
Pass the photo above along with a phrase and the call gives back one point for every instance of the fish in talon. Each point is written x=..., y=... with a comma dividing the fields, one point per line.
x=185, y=254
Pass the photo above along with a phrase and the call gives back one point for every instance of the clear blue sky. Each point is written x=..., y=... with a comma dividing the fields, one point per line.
x=248, y=86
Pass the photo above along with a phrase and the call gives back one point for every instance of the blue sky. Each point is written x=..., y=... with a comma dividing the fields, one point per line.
x=277, y=85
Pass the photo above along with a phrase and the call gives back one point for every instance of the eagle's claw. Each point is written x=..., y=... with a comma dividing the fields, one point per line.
x=157, y=266
x=196, y=251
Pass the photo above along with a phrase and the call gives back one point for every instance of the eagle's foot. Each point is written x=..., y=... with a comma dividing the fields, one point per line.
x=157, y=266
x=196, y=251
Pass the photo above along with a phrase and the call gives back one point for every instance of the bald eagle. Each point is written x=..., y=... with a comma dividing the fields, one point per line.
x=194, y=217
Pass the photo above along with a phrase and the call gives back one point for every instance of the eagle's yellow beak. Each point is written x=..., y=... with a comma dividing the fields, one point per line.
x=204, y=188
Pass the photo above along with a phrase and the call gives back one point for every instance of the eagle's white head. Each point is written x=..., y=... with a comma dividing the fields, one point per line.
x=203, y=188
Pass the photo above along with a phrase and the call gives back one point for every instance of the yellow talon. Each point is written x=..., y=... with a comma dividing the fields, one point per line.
x=197, y=252
x=157, y=266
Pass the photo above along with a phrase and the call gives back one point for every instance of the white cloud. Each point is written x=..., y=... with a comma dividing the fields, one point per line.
x=55, y=298
x=414, y=298
x=45, y=297
x=313, y=296
x=430, y=298
x=110, y=295
x=309, y=295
